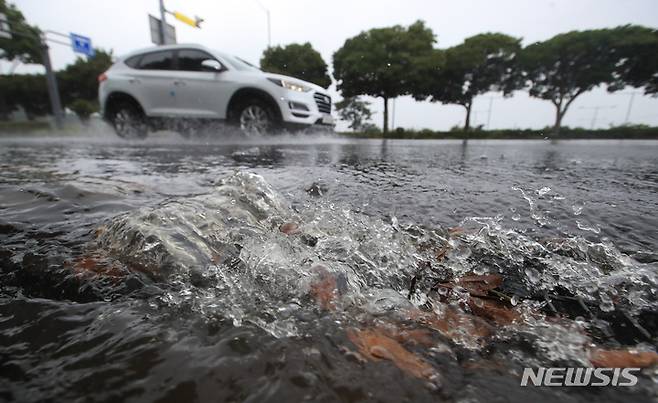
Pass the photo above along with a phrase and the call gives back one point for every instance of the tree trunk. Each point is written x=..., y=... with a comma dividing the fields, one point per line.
x=561, y=111
x=559, y=114
x=385, y=116
x=467, y=124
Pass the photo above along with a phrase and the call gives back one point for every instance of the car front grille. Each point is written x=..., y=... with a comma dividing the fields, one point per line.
x=323, y=102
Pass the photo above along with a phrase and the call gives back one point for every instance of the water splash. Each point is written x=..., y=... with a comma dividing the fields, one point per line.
x=226, y=254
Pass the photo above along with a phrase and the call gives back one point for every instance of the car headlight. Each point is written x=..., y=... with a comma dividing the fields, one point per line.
x=289, y=85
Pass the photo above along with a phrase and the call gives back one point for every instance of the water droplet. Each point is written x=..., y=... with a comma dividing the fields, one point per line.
x=543, y=191
x=532, y=274
x=516, y=217
x=606, y=304
x=514, y=301
x=585, y=227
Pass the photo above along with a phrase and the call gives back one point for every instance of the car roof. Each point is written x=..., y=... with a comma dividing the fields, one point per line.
x=166, y=47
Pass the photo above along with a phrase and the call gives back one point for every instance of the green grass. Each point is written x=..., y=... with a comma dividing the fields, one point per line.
x=23, y=127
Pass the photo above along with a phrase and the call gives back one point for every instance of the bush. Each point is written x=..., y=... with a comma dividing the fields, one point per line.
x=622, y=132
x=83, y=109
x=370, y=128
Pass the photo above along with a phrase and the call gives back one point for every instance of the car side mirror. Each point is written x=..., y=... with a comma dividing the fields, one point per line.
x=212, y=65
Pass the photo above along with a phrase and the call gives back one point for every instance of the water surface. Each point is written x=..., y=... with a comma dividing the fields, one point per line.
x=67, y=337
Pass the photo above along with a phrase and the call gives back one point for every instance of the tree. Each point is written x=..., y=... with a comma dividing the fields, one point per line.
x=566, y=66
x=83, y=109
x=26, y=90
x=77, y=82
x=25, y=45
x=483, y=63
x=382, y=62
x=636, y=48
x=354, y=110
x=80, y=79
x=301, y=61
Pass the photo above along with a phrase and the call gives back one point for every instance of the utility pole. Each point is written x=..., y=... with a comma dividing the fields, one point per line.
x=51, y=80
x=159, y=35
x=163, y=22
x=53, y=90
x=630, y=106
x=474, y=118
x=596, y=112
x=269, y=29
x=630, y=103
x=489, y=113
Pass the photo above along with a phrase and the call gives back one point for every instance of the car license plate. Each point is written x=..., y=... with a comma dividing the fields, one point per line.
x=328, y=120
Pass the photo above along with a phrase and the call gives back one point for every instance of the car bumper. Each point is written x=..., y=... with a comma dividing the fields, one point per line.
x=304, y=109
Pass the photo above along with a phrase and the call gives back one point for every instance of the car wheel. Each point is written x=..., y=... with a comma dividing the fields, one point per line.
x=256, y=118
x=128, y=121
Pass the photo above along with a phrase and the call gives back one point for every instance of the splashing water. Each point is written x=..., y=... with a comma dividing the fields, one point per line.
x=325, y=287
x=227, y=254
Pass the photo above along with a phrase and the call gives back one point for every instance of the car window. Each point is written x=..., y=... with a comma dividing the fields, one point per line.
x=191, y=59
x=133, y=61
x=157, y=61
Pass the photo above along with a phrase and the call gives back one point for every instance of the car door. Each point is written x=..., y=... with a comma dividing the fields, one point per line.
x=153, y=83
x=201, y=92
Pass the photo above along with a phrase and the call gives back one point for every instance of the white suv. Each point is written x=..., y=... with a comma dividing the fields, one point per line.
x=161, y=87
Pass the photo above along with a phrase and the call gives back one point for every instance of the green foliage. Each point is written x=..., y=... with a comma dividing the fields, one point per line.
x=77, y=82
x=80, y=79
x=567, y=65
x=295, y=60
x=622, y=132
x=370, y=128
x=25, y=44
x=636, y=50
x=382, y=62
x=26, y=90
x=83, y=108
x=483, y=63
x=15, y=127
x=354, y=110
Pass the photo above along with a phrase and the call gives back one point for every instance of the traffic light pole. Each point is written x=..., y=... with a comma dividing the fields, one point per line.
x=163, y=22
x=53, y=91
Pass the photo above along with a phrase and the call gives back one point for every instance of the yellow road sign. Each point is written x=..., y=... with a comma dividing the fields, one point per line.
x=193, y=22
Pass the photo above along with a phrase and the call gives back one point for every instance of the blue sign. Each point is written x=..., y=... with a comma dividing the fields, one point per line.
x=82, y=44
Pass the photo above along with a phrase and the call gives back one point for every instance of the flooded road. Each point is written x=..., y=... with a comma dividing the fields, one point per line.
x=323, y=269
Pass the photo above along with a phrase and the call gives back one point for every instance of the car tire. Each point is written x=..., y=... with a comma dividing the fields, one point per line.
x=255, y=118
x=128, y=121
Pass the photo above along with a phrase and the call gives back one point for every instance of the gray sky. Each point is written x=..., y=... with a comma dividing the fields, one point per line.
x=239, y=27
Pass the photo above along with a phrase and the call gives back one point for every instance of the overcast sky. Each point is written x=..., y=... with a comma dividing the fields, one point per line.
x=239, y=27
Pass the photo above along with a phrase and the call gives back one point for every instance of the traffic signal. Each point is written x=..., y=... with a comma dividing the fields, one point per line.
x=195, y=22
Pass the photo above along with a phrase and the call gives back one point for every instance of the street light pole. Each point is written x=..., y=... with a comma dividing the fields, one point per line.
x=596, y=112
x=269, y=23
x=489, y=113
x=630, y=106
x=53, y=91
x=162, y=22
x=269, y=29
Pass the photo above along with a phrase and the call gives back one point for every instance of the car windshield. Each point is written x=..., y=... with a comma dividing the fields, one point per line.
x=238, y=63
